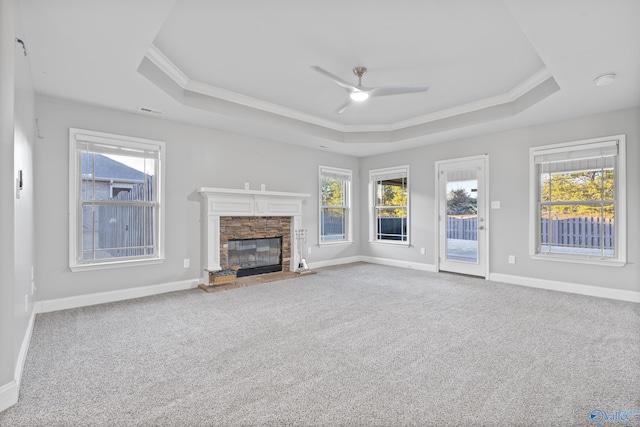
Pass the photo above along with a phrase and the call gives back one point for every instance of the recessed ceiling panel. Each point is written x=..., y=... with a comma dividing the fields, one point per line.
x=467, y=51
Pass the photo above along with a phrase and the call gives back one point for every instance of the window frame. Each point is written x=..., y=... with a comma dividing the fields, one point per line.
x=376, y=175
x=347, y=205
x=619, y=202
x=79, y=136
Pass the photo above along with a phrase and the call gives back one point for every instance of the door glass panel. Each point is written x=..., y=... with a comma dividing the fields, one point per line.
x=462, y=216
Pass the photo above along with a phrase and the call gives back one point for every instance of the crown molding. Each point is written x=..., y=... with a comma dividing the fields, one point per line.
x=259, y=104
x=514, y=94
x=161, y=61
x=166, y=66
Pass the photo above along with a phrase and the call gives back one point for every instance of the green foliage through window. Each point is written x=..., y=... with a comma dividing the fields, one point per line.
x=579, y=208
x=334, y=204
x=390, y=204
x=459, y=202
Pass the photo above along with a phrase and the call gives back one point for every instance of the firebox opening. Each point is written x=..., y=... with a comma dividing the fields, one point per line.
x=255, y=256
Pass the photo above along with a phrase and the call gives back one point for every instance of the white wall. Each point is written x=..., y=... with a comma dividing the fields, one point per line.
x=196, y=157
x=8, y=389
x=509, y=183
x=16, y=214
x=24, y=142
x=200, y=157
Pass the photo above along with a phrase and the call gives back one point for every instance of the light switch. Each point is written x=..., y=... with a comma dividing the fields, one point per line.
x=495, y=204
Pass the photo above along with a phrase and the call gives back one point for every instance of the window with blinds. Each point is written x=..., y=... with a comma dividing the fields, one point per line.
x=115, y=195
x=335, y=205
x=390, y=204
x=579, y=200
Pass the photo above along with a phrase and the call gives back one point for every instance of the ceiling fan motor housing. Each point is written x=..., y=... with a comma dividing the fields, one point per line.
x=360, y=71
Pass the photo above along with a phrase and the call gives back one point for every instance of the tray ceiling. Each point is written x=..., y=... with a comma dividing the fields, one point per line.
x=246, y=66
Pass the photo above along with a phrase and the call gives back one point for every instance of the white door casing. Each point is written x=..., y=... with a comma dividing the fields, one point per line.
x=463, y=251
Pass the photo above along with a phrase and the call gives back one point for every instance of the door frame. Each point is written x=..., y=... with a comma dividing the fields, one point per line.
x=485, y=196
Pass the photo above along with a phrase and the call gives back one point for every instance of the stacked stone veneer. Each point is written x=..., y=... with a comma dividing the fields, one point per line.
x=234, y=227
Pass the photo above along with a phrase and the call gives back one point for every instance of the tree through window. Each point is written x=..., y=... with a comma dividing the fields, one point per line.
x=335, y=202
x=579, y=199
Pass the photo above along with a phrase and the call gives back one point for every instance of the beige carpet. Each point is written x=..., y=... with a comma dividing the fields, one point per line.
x=354, y=345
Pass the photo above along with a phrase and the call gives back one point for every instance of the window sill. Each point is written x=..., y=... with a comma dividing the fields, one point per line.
x=337, y=243
x=114, y=264
x=580, y=260
x=390, y=243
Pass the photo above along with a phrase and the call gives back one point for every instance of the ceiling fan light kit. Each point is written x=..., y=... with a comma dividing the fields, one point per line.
x=359, y=96
x=359, y=93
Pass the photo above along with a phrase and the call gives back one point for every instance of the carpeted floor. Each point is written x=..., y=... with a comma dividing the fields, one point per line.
x=360, y=344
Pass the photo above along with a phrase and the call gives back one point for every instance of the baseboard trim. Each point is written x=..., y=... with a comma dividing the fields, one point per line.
x=10, y=392
x=8, y=395
x=402, y=264
x=47, y=306
x=24, y=348
x=375, y=260
x=574, y=288
x=337, y=261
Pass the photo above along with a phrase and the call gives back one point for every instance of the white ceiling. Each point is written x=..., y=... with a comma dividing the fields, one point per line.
x=245, y=66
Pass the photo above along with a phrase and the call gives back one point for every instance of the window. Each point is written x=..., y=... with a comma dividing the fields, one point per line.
x=119, y=187
x=335, y=205
x=390, y=205
x=578, y=201
x=115, y=200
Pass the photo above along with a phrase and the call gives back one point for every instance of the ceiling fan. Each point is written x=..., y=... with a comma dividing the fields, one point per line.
x=360, y=93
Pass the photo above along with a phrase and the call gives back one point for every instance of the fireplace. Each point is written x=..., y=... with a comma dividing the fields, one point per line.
x=230, y=214
x=255, y=256
x=241, y=235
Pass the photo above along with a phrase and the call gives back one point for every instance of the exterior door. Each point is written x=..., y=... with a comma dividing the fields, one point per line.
x=462, y=216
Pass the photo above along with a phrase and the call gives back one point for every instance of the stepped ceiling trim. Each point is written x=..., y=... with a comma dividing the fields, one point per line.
x=156, y=67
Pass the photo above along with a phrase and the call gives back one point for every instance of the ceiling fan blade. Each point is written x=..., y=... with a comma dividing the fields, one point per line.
x=397, y=90
x=343, y=107
x=345, y=84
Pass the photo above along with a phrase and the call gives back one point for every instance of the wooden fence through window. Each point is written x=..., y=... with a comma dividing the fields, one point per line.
x=127, y=230
x=583, y=232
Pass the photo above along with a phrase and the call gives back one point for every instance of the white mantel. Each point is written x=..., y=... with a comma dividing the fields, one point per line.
x=219, y=202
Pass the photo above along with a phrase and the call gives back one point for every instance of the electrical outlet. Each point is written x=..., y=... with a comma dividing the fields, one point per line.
x=309, y=250
x=186, y=262
x=246, y=185
x=263, y=187
x=495, y=204
x=423, y=251
x=512, y=259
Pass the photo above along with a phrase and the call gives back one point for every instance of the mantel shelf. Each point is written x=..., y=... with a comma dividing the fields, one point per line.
x=232, y=191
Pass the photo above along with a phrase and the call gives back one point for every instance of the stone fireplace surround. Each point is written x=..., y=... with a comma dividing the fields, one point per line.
x=259, y=227
x=238, y=205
